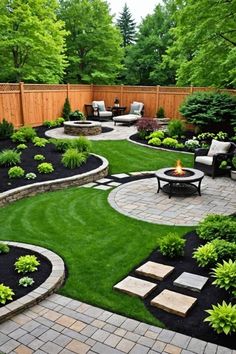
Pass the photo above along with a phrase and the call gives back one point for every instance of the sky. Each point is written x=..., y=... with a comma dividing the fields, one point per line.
x=138, y=8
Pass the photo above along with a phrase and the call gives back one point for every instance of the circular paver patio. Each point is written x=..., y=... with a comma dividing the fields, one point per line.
x=140, y=200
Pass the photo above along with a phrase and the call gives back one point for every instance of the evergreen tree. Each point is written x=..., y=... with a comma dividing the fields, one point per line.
x=94, y=43
x=127, y=26
x=31, y=41
x=66, y=109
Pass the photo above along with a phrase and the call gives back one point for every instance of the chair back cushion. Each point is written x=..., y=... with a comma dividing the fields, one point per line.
x=218, y=147
x=100, y=105
x=136, y=108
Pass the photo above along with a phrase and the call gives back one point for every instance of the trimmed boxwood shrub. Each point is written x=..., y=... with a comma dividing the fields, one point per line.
x=172, y=245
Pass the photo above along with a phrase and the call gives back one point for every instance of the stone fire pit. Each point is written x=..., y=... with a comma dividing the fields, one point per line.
x=85, y=127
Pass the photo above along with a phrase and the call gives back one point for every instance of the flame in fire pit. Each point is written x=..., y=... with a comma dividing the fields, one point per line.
x=178, y=171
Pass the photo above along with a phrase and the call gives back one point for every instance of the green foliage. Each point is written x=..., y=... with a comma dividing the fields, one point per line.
x=176, y=128
x=28, y=263
x=223, y=164
x=206, y=137
x=82, y=144
x=16, y=172
x=192, y=144
x=9, y=157
x=4, y=248
x=21, y=147
x=170, y=142
x=224, y=249
x=160, y=113
x=217, y=226
x=60, y=144
x=40, y=142
x=72, y=158
x=6, y=293
x=172, y=245
x=210, y=111
x=45, y=167
x=225, y=275
x=222, y=318
x=234, y=162
x=26, y=281
x=154, y=141
x=39, y=157
x=157, y=134
x=66, y=109
x=205, y=255
x=30, y=175
x=6, y=129
x=54, y=123
x=77, y=115
x=32, y=41
x=127, y=26
x=94, y=43
x=203, y=47
x=24, y=134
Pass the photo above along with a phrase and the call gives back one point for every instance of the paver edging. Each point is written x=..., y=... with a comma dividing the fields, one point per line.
x=50, y=285
x=56, y=184
x=158, y=148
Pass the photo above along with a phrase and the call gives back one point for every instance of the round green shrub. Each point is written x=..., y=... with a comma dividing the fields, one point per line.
x=45, y=167
x=205, y=255
x=222, y=318
x=4, y=248
x=6, y=293
x=154, y=141
x=24, y=134
x=217, y=226
x=39, y=157
x=9, y=157
x=21, y=147
x=27, y=263
x=172, y=245
x=170, y=142
x=16, y=172
x=157, y=134
x=40, y=142
x=72, y=158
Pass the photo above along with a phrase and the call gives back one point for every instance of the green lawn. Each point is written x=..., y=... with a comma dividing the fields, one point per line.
x=99, y=245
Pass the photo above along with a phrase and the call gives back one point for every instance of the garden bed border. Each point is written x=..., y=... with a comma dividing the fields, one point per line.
x=49, y=286
x=56, y=184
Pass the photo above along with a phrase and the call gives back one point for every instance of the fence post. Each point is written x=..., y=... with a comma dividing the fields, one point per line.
x=121, y=94
x=191, y=89
x=22, y=103
x=67, y=90
x=157, y=97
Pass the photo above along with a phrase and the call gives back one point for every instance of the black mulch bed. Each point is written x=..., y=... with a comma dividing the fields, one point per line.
x=193, y=324
x=30, y=165
x=10, y=277
x=136, y=138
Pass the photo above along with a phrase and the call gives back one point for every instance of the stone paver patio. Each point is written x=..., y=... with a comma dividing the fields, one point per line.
x=140, y=200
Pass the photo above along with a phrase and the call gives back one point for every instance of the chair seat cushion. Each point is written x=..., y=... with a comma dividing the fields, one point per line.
x=105, y=114
x=127, y=118
x=218, y=147
x=206, y=160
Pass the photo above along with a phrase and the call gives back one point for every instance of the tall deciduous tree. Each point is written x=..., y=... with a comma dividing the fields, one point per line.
x=144, y=63
x=94, y=44
x=127, y=26
x=204, y=50
x=31, y=41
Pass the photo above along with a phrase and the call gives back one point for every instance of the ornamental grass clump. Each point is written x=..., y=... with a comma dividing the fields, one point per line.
x=172, y=245
x=9, y=157
x=222, y=318
x=82, y=144
x=72, y=158
x=6, y=294
x=28, y=263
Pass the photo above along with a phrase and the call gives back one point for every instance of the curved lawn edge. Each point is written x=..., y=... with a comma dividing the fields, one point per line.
x=56, y=184
x=158, y=148
x=51, y=284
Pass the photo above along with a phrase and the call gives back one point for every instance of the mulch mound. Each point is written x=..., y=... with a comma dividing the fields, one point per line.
x=192, y=324
x=10, y=277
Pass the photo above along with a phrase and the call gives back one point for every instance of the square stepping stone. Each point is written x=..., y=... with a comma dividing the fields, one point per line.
x=114, y=184
x=104, y=180
x=102, y=187
x=120, y=175
x=155, y=270
x=89, y=185
x=173, y=302
x=191, y=281
x=135, y=286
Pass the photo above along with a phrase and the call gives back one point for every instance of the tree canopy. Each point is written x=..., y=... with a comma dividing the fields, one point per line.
x=127, y=26
x=94, y=44
x=204, y=49
x=31, y=41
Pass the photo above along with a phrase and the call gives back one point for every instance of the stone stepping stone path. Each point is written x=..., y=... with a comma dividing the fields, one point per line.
x=155, y=270
x=135, y=286
x=191, y=281
x=173, y=302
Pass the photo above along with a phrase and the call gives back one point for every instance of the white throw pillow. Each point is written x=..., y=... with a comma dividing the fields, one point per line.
x=218, y=147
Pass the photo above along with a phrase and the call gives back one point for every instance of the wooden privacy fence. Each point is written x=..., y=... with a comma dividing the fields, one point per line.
x=32, y=104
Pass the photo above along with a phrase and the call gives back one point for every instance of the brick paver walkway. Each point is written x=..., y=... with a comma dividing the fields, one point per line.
x=62, y=325
x=140, y=200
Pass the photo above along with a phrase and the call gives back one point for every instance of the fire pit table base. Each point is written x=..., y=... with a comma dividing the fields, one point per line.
x=179, y=185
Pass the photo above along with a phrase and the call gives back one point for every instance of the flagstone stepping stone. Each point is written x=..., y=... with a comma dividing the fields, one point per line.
x=120, y=175
x=191, y=281
x=155, y=270
x=135, y=286
x=104, y=180
x=173, y=302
